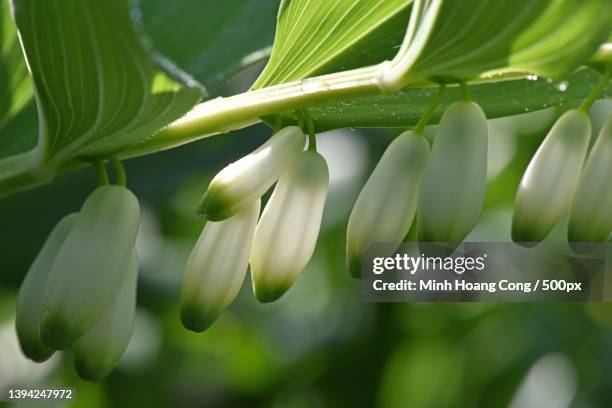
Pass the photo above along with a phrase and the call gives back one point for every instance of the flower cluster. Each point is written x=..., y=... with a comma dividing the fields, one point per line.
x=444, y=188
x=557, y=180
x=80, y=292
x=277, y=245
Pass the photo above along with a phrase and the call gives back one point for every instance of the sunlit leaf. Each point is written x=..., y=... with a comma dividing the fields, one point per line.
x=210, y=39
x=15, y=85
x=464, y=39
x=17, y=112
x=321, y=36
x=97, y=89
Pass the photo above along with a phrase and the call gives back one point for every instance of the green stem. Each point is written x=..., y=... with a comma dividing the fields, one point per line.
x=222, y=115
x=312, y=139
x=301, y=120
x=420, y=126
x=278, y=124
x=235, y=112
x=465, y=92
x=120, y=175
x=101, y=173
x=592, y=96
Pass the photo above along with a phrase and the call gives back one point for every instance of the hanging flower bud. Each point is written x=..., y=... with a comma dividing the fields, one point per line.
x=391, y=193
x=216, y=268
x=287, y=232
x=246, y=180
x=454, y=182
x=97, y=352
x=591, y=212
x=547, y=187
x=90, y=266
x=32, y=291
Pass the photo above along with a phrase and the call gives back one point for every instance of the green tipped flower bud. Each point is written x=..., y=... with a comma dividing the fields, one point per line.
x=591, y=212
x=454, y=182
x=97, y=352
x=391, y=193
x=287, y=232
x=32, y=291
x=216, y=268
x=90, y=266
x=548, y=185
x=246, y=180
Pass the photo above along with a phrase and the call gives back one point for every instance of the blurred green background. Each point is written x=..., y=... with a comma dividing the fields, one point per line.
x=320, y=345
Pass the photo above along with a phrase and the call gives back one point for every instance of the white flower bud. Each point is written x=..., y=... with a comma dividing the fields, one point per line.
x=591, y=212
x=97, y=352
x=32, y=291
x=452, y=193
x=385, y=208
x=90, y=266
x=287, y=232
x=548, y=185
x=246, y=180
x=216, y=267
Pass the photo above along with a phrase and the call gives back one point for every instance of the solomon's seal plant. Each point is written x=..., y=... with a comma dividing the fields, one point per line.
x=454, y=181
x=217, y=267
x=90, y=266
x=80, y=291
x=287, y=232
x=32, y=292
x=591, y=211
x=244, y=181
x=555, y=172
x=391, y=193
x=549, y=183
x=97, y=352
x=334, y=64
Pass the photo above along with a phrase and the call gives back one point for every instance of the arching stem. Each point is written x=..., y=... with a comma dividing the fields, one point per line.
x=592, y=96
x=312, y=139
x=420, y=126
x=121, y=177
x=465, y=92
x=101, y=173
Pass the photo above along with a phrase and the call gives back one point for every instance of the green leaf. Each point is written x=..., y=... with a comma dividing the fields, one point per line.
x=461, y=40
x=499, y=98
x=210, y=39
x=98, y=91
x=15, y=85
x=17, y=111
x=314, y=37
